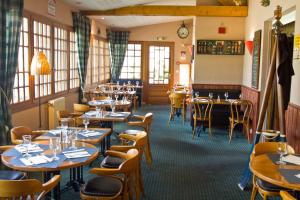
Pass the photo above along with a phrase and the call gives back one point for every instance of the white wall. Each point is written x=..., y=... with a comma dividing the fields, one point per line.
x=219, y=69
x=257, y=19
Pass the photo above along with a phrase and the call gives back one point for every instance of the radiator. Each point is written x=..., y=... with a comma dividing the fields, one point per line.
x=53, y=106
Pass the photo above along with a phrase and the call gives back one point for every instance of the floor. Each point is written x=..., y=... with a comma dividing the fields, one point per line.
x=187, y=169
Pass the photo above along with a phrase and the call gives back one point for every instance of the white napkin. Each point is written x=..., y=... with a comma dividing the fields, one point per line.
x=31, y=149
x=292, y=159
x=77, y=154
x=89, y=133
x=35, y=160
x=55, y=132
x=91, y=113
x=117, y=115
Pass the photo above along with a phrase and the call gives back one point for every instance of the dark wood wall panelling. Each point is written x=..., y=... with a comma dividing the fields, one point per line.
x=216, y=86
x=252, y=95
x=293, y=126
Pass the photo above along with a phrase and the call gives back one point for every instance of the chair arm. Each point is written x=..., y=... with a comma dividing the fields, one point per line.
x=127, y=136
x=116, y=154
x=122, y=148
x=105, y=171
x=48, y=186
x=135, y=123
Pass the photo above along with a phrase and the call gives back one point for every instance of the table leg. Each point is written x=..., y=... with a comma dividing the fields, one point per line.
x=55, y=194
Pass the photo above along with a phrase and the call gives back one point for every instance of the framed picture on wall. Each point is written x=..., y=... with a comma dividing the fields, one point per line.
x=256, y=59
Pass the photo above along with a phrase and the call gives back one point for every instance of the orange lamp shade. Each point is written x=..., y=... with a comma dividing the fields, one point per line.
x=39, y=64
x=249, y=45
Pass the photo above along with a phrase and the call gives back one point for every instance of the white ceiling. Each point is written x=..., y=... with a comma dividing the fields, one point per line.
x=134, y=21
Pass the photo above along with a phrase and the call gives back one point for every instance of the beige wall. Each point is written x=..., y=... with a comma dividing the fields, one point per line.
x=30, y=117
x=259, y=18
x=218, y=69
x=168, y=30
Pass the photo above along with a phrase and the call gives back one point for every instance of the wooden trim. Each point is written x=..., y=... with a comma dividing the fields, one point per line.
x=212, y=11
x=216, y=86
x=294, y=106
x=293, y=126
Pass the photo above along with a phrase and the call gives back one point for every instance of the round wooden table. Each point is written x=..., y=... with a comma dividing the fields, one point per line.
x=264, y=168
x=76, y=168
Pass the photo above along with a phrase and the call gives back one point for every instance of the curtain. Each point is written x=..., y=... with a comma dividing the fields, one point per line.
x=10, y=24
x=82, y=27
x=118, y=41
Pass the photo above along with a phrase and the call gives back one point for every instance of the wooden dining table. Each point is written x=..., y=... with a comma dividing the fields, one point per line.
x=266, y=169
x=49, y=172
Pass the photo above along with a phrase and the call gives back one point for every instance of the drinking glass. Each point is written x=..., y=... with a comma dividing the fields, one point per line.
x=54, y=146
x=210, y=95
x=98, y=110
x=86, y=122
x=26, y=144
x=113, y=106
x=116, y=96
x=64, y=124
x=129, y=82
x=197, y=94
x=73, y=138
x=240, y=96
x=282, y=150
x=137, y=83
x=118, y=83
x=226, y=96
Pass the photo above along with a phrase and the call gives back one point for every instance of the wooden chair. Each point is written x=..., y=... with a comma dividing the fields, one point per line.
x=202, y=113
x=264, y=188
x=109, y=184
x=64, y=115
x=139, y=142
x=144, y=122
x=80, y=108
x=16, y=134
x=26, y=189
x=177, y=103
x=286, y=196
x=240, y=111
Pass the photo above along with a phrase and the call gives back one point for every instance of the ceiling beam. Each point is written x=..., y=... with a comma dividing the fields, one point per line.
x=211, y=11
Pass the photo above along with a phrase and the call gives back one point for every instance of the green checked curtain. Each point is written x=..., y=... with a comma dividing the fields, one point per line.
x=118, y=41
x=82, y=27
x=10, y=24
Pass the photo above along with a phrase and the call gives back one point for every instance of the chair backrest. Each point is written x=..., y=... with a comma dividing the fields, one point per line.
x=131, y=161
x=241, y=109
x=80, y=108
x=177, y=99
x=148, y=119
x=269, y=147
x=16, y=133
x=202, y=108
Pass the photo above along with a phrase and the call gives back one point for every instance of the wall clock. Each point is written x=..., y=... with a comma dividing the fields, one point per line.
x=183, y=31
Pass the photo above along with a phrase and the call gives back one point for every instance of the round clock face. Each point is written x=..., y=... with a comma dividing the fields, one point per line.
x=182, y=32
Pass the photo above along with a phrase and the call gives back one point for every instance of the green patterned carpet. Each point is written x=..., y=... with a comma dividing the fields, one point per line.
x=187, y=169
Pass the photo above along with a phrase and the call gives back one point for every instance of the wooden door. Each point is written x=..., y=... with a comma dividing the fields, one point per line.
x=158, y=73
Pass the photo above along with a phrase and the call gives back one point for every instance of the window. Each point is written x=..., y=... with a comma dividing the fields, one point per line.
x=159, y=64
x=60, y=59
x=74, y=77
x=21, y=84
x=95, y=61
x=102, y=61
x=41, y=42
x=88, y=80
x=132, y=63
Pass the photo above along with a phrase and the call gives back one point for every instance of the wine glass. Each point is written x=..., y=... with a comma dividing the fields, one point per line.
x=118, y=83
x=210, y=95
x=226, y=95
x=26, y=144
x=129, y=82
x=113, y=106
x=197, y=94
x=86, y=122
x=137, y=83
x=116, y=96
x=98, y=110
x=282, y=150
x=73, y=138
x=54, y=146
x=241, y=96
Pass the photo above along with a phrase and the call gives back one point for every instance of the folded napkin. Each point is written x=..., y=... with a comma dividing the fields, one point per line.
x=78, y=153
x=35, y=160
x=55, y=132
x=89, y=133
x=292, y=159
x=31, y=148
x=117, y=114
x=91, y=113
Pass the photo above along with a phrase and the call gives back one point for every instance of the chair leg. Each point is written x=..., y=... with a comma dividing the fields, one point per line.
x=194, y=129
x=209, y=128
x=254, y=192
x=170, y=116
x=265, y=197
x=148, y=154
x=231, y=131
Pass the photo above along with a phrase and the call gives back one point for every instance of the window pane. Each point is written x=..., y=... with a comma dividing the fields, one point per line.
x=74, y=77
x=132, y=63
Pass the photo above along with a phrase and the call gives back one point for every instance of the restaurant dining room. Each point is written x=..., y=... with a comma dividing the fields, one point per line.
x=150, y=99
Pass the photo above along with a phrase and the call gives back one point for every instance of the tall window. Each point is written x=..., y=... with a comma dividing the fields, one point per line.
x=106, y=61
x=159, y=64
x=60, y=59
x=132, y=63
x=89, y=67
x=21, y=84
x=74, y=77
x=95, y=61
x=102, y=60
x=41, y=42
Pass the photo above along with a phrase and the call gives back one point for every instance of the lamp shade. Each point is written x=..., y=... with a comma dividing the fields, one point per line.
x=40, y=65
x=249, y=45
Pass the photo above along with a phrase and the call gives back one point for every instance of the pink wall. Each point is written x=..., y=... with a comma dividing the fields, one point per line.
x=169, y=31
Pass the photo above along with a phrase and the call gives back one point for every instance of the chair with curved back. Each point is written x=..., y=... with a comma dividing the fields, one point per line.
x=26, y=189
x=240, y=112
x=64, y=115
x=144, y=122
x=202, y=113
x=9, y=174
x=16, y=134
x=177, y=104
x=80, y=108
x=286, y=196
x=139, y=142
x=108, y=184
x=263, y=187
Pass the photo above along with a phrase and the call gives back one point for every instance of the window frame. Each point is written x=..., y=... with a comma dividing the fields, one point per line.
x=33, y=102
